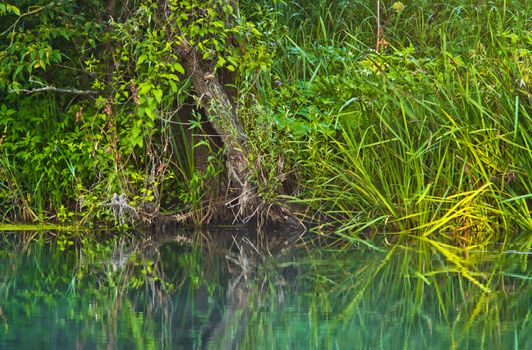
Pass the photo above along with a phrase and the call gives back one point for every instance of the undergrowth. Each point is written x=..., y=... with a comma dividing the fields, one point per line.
x=419, y=130
x=428, y=137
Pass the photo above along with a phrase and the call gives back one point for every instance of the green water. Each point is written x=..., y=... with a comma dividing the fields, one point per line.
x=218, y=290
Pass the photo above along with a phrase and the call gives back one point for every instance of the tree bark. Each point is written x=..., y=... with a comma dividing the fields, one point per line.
x=220, y=110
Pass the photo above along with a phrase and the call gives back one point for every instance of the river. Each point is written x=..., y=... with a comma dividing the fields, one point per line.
x=226, y=288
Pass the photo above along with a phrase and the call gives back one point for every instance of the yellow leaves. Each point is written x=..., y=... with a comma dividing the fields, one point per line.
x=463, y=208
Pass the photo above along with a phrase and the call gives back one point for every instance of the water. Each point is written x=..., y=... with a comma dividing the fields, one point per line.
x=220, y=290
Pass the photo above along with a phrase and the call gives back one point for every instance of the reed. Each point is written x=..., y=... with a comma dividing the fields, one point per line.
x=427, y=138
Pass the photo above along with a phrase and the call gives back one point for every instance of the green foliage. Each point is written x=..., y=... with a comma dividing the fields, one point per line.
x=6, y=8
x=80, y=123
x=426, y=137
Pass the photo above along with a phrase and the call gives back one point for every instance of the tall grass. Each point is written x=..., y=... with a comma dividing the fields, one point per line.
x=428, y=138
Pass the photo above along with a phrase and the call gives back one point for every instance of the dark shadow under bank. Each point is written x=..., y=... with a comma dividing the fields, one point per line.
x=225, y=288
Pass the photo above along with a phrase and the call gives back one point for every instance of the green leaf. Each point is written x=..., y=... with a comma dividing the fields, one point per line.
x=170, y=76
x=144, y=88
x=173, y=86
x=141, y=59
x=17, y=71
x=150, y=113
x=179, y=68
x=14, y=9
x=7, y=8
x=158, y=94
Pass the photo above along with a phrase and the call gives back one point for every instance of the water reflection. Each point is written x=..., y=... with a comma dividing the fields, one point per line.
x=225, y=290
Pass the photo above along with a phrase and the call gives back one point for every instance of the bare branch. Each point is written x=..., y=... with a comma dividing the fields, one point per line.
x=54, y=89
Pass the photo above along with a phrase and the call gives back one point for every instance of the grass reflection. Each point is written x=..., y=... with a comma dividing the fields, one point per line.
x=216, y=291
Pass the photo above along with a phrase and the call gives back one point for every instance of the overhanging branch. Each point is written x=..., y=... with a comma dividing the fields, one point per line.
x=54, y=89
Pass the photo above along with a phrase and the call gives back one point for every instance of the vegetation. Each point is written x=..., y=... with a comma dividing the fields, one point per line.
x=404, y=124
x=410, y=119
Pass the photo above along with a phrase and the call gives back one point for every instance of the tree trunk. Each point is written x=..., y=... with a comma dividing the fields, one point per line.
x=220, y=110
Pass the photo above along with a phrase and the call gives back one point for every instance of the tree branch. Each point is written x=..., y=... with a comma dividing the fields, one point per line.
x=54, y=89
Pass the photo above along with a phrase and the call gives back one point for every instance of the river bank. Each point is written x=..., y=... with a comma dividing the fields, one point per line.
x=413, y=120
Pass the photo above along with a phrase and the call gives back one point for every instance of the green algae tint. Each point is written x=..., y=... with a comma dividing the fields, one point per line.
x=213, y=291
